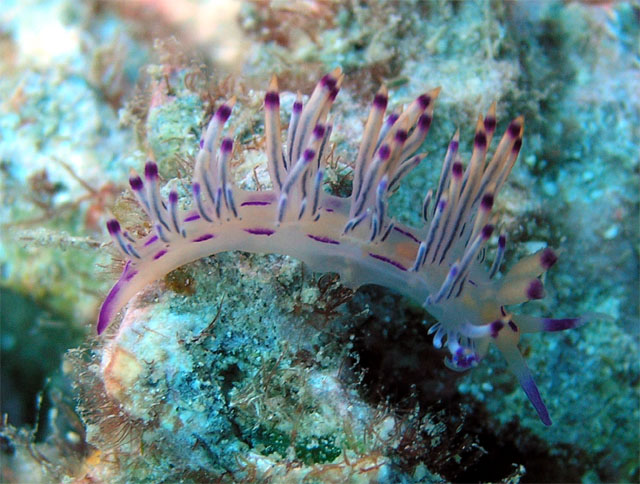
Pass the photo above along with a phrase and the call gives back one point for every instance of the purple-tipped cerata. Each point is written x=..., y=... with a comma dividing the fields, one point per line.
x=223, y=113
x=514, y=128
x=487, y=230
x=424, y=100
x=319, y=131
x=457, y=170
x=136, y=183
x=535, y=290
x=480, y=141
x=553, y=325
x=490, y=124
x=424, y=122
x=440, y=264
x=517, y=145
x=308, y=155
x=227, y=145
x=380, y=102
x=401, y=136
x=150, y=170
x=272, y=100
x=487, y=201
x=328, y=81
x=113, y=226
x=548, y=258
x=384, y=152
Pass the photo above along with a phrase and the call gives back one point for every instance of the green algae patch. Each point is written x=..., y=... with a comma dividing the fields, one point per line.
x=310, y=450
x=317, y=450
x=270, y=440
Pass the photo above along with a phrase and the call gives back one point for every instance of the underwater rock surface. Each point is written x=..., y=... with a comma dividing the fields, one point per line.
x=250, y=367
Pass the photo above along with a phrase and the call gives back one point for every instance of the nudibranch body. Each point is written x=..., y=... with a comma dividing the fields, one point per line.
x=439, y=264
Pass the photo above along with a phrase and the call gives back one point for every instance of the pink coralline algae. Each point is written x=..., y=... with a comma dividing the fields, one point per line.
x=440, y=264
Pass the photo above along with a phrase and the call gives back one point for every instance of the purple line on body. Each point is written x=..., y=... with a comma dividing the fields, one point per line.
x=192, y=217
x=260, y=231
x=388, y=261
x=324, y=240
x=151, y=241
x=204, y=237
x=159, y=254
x=549, y=324
x=130, y=275
x=255, y=202
x=408, y=234
x=106, y=312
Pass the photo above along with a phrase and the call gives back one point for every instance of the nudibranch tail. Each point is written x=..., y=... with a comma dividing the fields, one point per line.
x=440, y=263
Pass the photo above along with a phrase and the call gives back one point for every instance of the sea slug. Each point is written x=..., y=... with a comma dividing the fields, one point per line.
x=439, y=264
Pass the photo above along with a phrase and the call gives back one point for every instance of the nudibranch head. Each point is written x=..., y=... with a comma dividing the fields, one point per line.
x=440, y=264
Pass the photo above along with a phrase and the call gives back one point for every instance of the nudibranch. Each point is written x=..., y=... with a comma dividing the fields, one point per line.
x=440, y=264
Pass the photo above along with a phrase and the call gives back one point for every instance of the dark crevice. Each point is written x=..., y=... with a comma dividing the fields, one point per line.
x=452, y=434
